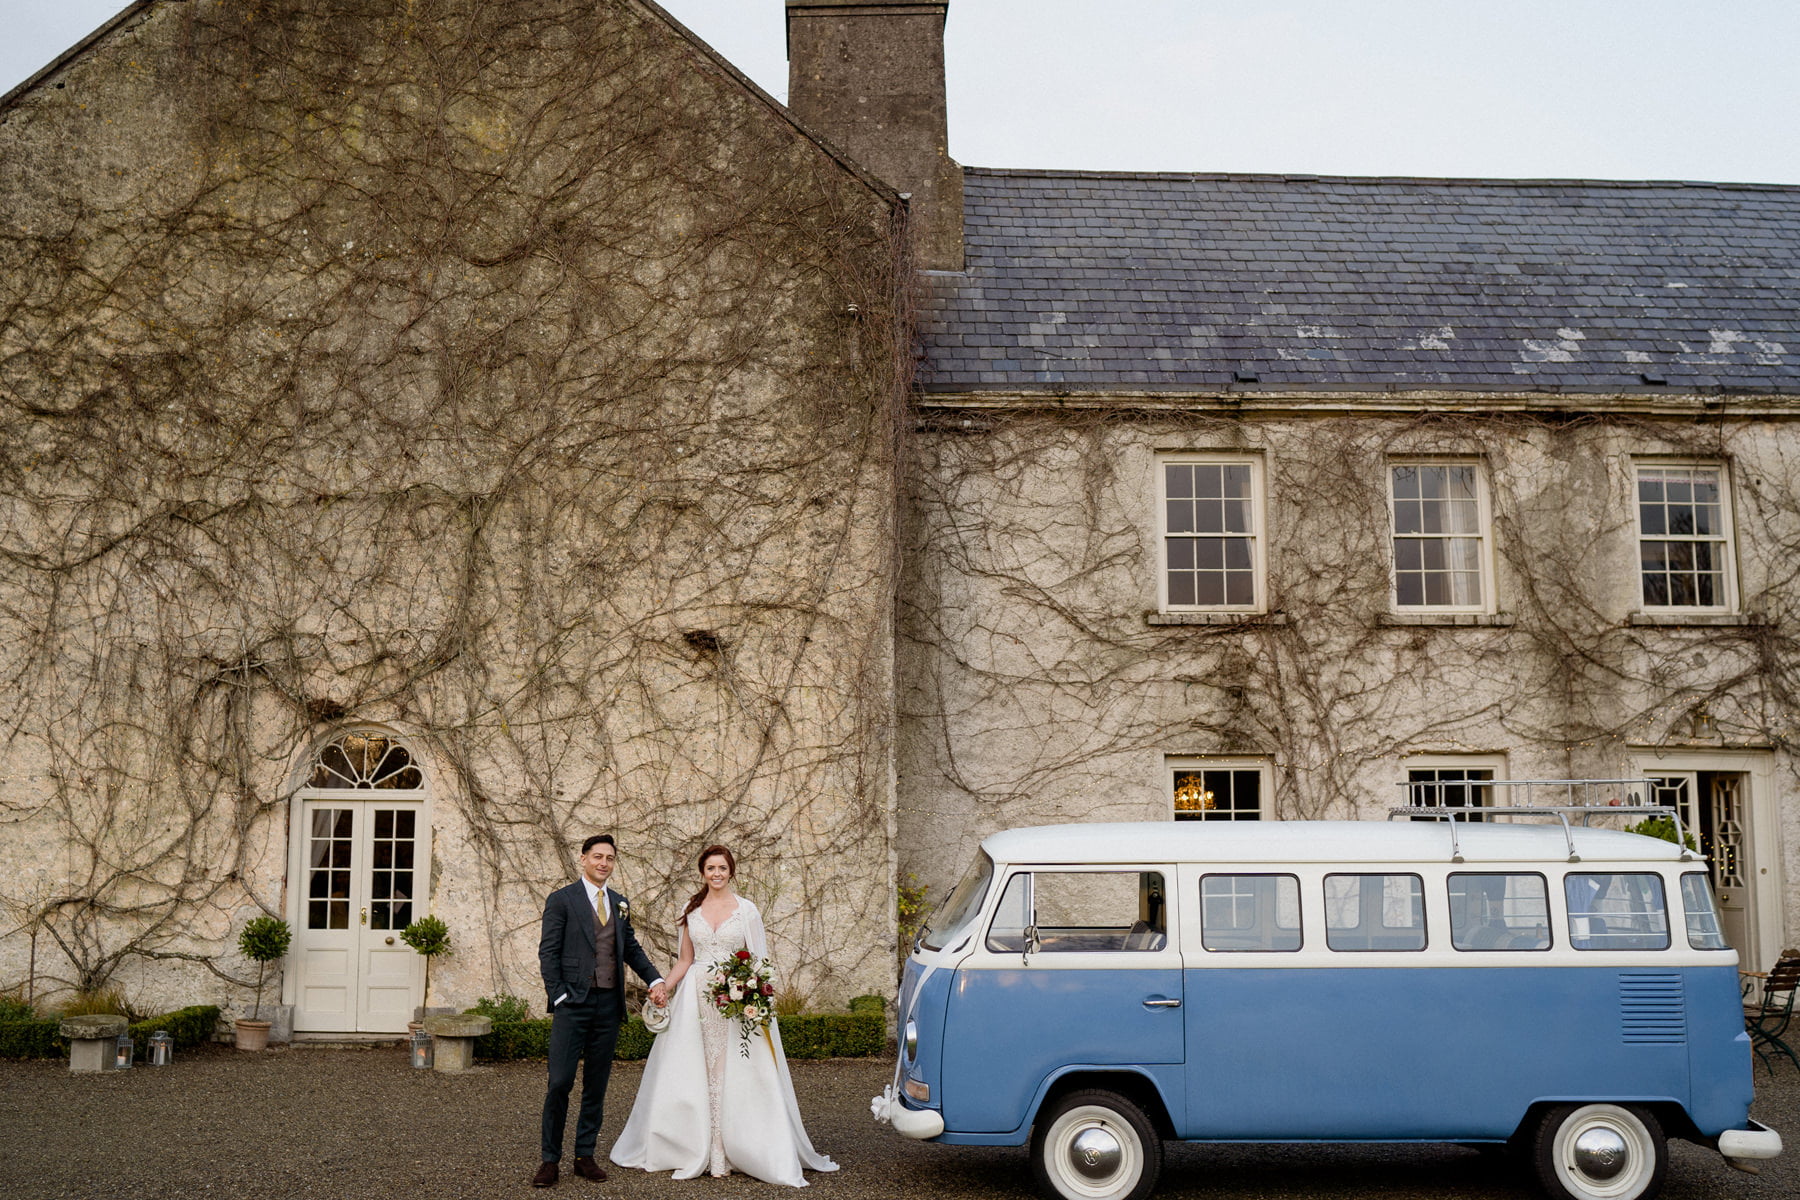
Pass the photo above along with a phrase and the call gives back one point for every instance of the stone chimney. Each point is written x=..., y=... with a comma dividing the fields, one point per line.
x=869, y=76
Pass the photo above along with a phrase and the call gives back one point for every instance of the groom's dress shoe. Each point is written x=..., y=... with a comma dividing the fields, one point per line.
x=546, y=1175
x=587, y=1168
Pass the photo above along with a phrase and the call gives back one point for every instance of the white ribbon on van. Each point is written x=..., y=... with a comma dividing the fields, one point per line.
x=882, y=1106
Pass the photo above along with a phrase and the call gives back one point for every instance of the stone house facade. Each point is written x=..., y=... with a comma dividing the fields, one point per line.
x=436, y=431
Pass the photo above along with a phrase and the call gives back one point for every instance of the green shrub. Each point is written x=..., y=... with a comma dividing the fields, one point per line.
x=1661, y=827
x=531, y=1039
x=39, y=1038
x=860, y=1033
x=192, y=1026
x=264, y=940
x=504, y=1007
x=31, y=1039
x=16, y=1008
x=431, y=938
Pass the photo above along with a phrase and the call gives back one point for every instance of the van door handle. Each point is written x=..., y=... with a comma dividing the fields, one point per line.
x=1162, y=1004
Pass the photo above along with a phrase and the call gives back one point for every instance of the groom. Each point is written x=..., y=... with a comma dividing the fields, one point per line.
x=586, y=945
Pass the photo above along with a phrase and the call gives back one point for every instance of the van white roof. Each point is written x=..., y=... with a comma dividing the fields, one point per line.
x=1318, y=841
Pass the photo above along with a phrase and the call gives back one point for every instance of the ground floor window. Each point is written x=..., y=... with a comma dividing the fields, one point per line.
x=1460, y=783
x=1203, y=789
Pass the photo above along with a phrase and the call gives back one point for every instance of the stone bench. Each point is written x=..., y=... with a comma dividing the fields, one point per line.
x=453, y=1040
x=93, y=1040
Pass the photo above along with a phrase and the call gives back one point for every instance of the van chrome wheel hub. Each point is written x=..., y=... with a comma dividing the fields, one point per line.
x=1600, y=1153
x=1095, y=1153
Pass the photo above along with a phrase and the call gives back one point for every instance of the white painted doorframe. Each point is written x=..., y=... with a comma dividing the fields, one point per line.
x=349, y=971
x=1763, y=844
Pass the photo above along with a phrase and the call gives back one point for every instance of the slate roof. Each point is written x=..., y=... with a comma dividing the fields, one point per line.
x=1143, y=282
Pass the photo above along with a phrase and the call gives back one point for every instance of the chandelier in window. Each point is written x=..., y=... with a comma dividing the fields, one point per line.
x=1191, y=794
x=366, y=760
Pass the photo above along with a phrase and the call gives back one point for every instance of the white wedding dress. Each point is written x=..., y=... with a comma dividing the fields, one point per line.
x=704, y=1106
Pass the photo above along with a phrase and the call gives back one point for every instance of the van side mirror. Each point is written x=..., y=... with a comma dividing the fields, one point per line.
x=1031, y=944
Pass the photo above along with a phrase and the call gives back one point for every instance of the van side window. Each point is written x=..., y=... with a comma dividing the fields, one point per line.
x=1703, y=932
x=1616, y=911
x=1081, y=912
x=1499, y=911
x=1006, y=935
x=1250, y=913
x=1374, y=912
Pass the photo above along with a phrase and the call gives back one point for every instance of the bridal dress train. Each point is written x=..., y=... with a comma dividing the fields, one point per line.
x=703, y=1106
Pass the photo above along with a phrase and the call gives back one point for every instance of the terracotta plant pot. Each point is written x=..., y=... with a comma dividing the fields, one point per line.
x=253, y=1035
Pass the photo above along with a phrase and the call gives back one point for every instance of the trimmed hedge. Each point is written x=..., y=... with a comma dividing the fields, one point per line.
x=859, y=1033
x=31, y=1039
x=192, y=1026
x=39, y=1038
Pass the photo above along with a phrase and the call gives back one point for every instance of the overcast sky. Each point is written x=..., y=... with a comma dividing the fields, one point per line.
x=1609, y=89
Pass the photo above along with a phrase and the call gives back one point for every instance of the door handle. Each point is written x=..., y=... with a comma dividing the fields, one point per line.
x=1162, y=1004
x=365, y=916
x=390, y=941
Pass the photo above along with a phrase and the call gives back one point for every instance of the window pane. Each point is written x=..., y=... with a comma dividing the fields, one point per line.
x=1240, y=588
x=1208, y=481
x=1374, y=912
x=1178, y=480
x=1180, y=516
x=1250, y=913
x=1209, y=589
x=1237, y=480
x=1409, y=589
x=1703, y=932
x=1616, y=911
x=1094, y=912
x=1407, y=518
x=1499, y=912
x=1181, y=588
x=1006, y=934
x=1406, y=483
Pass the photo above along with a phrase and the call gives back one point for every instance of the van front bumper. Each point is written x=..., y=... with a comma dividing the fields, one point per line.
x=1759, y=1141
x=923, y=1124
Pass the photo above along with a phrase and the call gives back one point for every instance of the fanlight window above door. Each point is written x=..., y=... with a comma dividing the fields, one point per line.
x=366, y=760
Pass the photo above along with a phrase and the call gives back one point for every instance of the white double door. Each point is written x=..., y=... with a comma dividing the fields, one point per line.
x=361, y=880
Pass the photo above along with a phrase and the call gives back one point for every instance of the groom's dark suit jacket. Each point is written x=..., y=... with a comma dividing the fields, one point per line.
x=566, y=948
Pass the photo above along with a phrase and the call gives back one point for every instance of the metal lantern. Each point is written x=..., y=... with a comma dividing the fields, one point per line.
x=421, y=1050
x=126, y=1051
x=162, y=1048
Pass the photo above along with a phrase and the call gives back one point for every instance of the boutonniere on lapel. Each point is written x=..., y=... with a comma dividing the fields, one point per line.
x=624, y=909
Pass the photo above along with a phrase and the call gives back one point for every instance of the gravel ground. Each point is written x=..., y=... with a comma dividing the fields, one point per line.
x=343, y=1124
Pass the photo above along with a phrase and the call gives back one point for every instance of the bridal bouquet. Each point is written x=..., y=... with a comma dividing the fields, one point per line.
x=743, y=988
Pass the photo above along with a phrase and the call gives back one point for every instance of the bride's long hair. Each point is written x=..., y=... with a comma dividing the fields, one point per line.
x=697, y=897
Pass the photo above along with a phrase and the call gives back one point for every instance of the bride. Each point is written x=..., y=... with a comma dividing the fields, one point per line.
x=704, y=1105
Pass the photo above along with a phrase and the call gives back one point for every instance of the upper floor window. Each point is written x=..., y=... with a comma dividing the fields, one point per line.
x=1212, y=544
x=1440, y=535
x=1684, y=536
x=1463, y=782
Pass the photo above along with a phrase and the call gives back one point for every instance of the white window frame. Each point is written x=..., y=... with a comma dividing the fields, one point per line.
x=1726, y=539
x=1258, y=533
x=1485, y=533
x=1453, y=762
x=1263, y=767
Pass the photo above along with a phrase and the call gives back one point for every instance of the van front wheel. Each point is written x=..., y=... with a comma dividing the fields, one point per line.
x=1095, y=1145
x=1600, y=1152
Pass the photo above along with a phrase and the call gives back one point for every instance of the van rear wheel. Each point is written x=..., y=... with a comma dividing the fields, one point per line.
x=1600, y=1152
x=1095, y=1145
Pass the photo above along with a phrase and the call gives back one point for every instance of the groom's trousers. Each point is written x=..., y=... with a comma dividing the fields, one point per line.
x=583, y=1032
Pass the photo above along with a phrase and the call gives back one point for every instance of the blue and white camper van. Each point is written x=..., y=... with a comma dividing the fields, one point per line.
x=1094, y=990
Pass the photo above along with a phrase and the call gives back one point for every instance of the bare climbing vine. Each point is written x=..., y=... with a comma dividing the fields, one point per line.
x=502, y=373
x=1036, y=689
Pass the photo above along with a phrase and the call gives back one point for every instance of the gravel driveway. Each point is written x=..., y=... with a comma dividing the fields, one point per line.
x=343, y=1124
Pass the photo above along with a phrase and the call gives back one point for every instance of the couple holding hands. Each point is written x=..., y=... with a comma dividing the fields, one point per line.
x=713, y=1098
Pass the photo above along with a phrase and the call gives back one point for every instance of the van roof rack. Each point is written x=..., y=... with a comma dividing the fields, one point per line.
x=1621, y=803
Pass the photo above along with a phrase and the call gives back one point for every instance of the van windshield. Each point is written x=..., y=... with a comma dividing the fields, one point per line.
x=963, y=904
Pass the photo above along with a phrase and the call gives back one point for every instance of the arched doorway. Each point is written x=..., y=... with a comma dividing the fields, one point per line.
x=359, y=872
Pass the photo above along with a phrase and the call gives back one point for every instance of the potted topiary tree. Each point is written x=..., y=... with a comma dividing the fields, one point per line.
x=431, y=938
x=264, y=940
